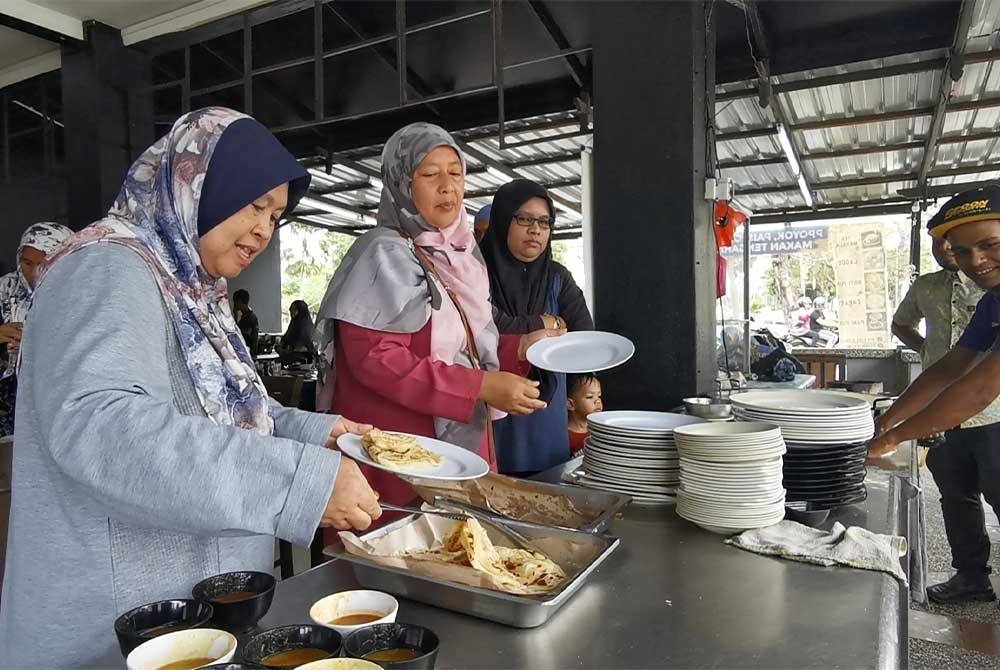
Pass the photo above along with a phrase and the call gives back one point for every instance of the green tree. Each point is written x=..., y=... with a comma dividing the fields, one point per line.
x=309, y=257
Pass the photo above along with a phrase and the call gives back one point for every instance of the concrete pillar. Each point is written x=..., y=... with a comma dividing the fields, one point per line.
x=108, y=113
x=653, y=244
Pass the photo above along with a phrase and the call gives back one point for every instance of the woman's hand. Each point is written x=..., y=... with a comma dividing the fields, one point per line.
x=10, y=333
x=553, y=322
x=510, y=393
x=536, y=336
x=344, y=426
x=353, y=504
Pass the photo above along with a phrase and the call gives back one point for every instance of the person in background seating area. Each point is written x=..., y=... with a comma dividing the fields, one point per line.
x=246, y=320
x=296, y=344
x=16, y=290
x=481, y=223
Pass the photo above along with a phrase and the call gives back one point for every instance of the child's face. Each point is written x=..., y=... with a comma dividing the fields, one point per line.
x=586, y=399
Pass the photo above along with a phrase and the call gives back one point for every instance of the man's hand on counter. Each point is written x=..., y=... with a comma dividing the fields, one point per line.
x=885, y=444
x=353, y=504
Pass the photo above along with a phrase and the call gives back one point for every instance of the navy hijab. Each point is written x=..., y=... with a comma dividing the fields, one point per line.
x=229, y=185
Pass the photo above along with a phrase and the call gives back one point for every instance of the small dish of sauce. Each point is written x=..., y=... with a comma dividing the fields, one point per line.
x=187, y=664
x=398, y=654
x=234, y=597
x=357, y=618
x=293, y=658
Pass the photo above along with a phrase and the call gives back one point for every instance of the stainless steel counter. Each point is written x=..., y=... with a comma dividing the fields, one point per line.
x=674, y=595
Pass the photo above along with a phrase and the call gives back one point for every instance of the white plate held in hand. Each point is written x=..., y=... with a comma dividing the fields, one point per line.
x=581, y=351
x=458, y=463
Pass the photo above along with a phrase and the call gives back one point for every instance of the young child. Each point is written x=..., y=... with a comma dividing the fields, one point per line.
x=583, y=397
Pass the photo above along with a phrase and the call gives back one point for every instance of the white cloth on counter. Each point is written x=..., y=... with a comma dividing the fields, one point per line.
x=853, y=547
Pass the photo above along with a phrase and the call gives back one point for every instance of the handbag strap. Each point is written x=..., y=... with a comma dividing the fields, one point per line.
x=428, y=264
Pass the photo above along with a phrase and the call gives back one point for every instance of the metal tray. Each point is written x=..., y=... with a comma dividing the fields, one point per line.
x=505, y=608
x=600, y=506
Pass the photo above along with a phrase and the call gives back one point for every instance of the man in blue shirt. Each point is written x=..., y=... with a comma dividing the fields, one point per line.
x=955, y=389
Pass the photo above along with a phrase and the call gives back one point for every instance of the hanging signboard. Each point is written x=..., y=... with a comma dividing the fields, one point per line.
x=780, y=241
x=862, y=286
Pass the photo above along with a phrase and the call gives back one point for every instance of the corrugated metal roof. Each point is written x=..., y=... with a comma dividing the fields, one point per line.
x=869, y=116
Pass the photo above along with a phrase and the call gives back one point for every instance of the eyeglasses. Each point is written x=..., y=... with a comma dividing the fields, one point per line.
x=544, y=222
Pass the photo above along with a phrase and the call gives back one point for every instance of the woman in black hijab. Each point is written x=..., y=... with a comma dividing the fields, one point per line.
x=531, y=291
x=296, y=345
x=298, y=335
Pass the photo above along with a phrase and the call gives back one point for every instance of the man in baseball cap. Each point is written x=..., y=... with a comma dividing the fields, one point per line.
x=950, y=395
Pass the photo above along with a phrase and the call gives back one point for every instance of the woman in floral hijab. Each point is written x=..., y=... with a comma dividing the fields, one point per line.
x=16, y=288
x=154, y=456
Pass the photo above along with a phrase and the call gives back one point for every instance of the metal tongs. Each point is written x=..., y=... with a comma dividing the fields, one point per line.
x=463, y=512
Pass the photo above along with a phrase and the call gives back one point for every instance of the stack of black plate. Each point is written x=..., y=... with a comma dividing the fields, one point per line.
x=825, y=475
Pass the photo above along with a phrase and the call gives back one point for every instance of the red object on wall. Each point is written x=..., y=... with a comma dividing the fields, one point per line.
x=727, y=220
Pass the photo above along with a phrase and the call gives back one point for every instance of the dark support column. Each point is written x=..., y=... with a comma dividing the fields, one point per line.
x=653, y=244
x=108, y=113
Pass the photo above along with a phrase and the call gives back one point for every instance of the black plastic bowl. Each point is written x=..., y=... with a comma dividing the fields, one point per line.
x=243, y=614
x=285, y=638
x=383, y=636
x=131, y=627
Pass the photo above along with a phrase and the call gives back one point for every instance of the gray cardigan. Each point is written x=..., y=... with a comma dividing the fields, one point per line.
x=123, y=492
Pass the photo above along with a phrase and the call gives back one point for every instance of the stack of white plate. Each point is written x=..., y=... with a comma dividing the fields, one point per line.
x=633, y=452
x=730, y=475
x=811, y=417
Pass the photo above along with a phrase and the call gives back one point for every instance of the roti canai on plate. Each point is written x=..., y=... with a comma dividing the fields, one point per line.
x=398, y=451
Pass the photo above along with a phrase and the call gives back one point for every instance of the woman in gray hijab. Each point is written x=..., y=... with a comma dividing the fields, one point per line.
x=407, y=324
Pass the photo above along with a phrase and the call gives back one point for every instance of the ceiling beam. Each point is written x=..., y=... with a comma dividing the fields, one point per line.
x=483, y=158
x=873, y=180
x=952, y=72
x=47, y=24
x=344, y=187
x=545, y=159
x=174, y=37
x=970, y=137
x=558, y=183
x=862, y=119
x=801, y=215
x=963, y=170
x=196, y=14
x=736, y=163
x=577, y=70
x=862, y=151
x=944, y=190
x=385, y=52
x=750, y=133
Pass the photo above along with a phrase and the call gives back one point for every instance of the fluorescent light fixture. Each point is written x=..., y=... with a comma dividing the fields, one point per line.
x=786, y=144
x=804, y=189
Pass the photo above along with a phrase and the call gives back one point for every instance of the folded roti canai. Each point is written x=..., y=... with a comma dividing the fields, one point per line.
x=516, y=570
x=398, y=451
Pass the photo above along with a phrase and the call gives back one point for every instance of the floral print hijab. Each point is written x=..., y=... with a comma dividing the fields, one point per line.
x=156, y=215
x=15, y=292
